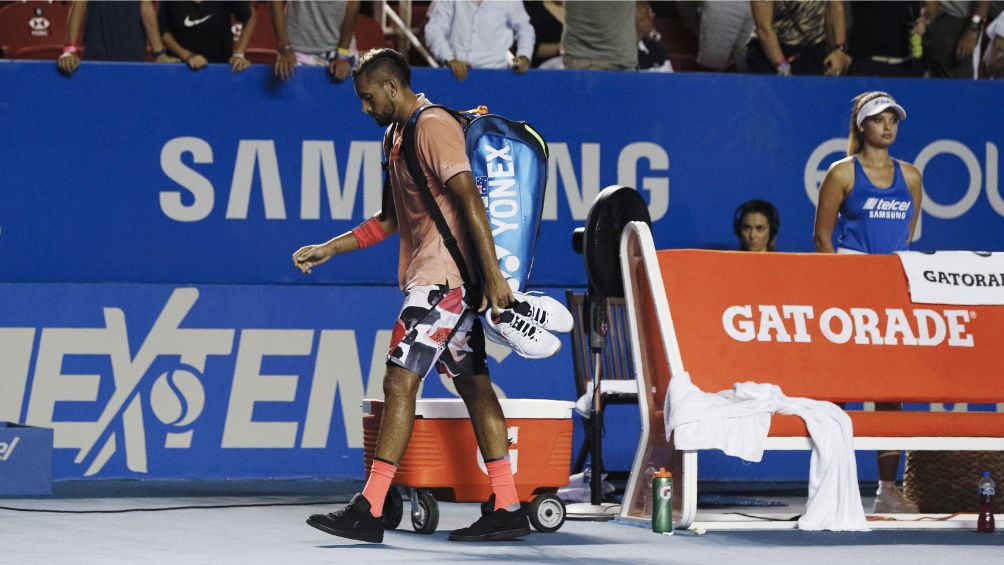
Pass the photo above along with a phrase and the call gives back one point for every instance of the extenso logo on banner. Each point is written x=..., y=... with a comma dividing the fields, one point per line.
x=969, y=187
x=184, y=388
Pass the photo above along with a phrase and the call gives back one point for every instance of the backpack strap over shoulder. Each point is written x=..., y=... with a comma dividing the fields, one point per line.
x=386, y=198
x=472, y=279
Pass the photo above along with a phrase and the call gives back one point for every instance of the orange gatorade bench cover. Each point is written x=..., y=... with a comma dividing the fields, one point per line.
x=839, y=328
x=829, y=327
x=903, y=424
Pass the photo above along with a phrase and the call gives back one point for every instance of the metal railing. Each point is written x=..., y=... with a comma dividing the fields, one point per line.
x=400, y=24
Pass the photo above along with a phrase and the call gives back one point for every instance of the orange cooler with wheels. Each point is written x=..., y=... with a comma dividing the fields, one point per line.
x=443, y=460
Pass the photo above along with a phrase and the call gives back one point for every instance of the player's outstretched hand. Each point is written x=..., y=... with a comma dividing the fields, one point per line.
x=309, y=256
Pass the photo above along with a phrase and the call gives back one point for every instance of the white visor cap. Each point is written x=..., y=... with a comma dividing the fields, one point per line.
x=877, y=106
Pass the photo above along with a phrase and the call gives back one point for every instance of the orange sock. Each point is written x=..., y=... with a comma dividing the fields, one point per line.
x=375, y=491
x=502, y=483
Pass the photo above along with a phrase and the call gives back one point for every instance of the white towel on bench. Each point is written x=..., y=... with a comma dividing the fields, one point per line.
x=736, y=421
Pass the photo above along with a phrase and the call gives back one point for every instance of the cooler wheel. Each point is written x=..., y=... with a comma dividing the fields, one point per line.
x=393, y=509
x=424, y=511
x=546, y=513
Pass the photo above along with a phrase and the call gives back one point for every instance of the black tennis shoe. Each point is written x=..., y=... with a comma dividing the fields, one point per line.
x=354, y=521
x=498, y=525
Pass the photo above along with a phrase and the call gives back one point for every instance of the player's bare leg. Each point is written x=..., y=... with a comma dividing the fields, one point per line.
x=360, y=520
x=506, y=519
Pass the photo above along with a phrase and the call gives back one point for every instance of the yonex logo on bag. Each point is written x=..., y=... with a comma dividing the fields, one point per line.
x=502, y=204
x=889, y=208
x=7, y=449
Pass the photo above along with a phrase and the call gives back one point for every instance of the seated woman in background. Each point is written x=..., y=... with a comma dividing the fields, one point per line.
x=756, y=224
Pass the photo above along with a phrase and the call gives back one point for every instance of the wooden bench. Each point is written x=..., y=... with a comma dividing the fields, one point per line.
x=818, y=326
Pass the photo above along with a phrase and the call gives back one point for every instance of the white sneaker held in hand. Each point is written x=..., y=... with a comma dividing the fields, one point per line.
x=526, y=339
x=543, y=311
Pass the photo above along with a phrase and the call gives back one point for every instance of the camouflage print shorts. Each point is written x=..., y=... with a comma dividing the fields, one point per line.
x=436, y=327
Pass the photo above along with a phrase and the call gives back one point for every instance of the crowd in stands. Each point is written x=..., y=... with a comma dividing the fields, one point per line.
x=944, y=39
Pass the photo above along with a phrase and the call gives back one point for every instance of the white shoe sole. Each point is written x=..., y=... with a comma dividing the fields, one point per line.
x=494, y=335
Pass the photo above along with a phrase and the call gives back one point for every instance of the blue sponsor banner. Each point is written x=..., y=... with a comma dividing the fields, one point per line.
x=206, y=382
x=214, y=381
x=201, y=185
x=153, y=173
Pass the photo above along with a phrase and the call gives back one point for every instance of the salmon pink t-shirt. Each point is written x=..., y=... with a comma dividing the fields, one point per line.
x=441, y=149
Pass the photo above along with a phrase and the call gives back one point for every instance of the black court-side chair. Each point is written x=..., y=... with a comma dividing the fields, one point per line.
x=617, y=377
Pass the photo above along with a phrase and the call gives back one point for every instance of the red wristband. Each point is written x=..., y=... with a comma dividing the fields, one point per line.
x=369, y=233
x=780, y=62
x=71, y=48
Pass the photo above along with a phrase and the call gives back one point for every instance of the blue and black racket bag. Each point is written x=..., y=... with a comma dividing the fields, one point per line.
x=509, y=165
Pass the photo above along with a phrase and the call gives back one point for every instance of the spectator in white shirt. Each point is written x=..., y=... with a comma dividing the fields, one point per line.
x=994, y=58
x=478, y=34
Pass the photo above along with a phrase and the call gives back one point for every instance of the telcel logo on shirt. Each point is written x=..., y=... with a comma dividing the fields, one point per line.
x=890, y=208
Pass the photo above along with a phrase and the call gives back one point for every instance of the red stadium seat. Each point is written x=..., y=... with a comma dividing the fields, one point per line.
x=680, y=42
x=28, y=24
x=264, y=34
x=39, y=52
x=419, y=15
x=261, y=56
x=369, y=35
x=683, y=62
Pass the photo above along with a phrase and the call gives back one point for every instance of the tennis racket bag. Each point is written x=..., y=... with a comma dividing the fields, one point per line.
x=509, y=165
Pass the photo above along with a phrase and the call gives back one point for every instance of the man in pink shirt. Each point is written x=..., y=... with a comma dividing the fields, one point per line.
x=436, y=326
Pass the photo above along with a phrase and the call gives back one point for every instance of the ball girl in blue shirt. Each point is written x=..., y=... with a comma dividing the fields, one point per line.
x=870, y=198
x=872, y=201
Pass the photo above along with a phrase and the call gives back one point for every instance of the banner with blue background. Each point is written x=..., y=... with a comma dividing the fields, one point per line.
x=213, y=381
x=151, y=315
x=153, y=173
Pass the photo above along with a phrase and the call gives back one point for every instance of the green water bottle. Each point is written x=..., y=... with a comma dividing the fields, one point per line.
x=916, y=45
x=662, y=502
